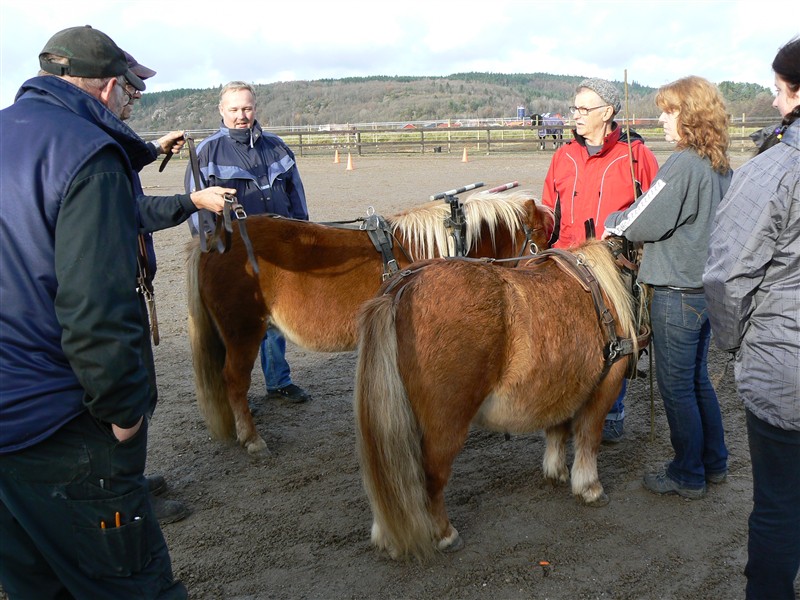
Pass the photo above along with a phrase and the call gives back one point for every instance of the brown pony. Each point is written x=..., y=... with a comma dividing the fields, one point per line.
x=312, y=279
x=457, y=343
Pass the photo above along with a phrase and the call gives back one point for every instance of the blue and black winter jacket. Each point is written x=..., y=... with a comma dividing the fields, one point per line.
x=259, y=165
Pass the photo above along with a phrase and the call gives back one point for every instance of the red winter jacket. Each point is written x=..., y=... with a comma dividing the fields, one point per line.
x=595, y=186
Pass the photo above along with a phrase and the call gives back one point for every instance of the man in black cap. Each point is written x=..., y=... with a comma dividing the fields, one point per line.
x=78, y=381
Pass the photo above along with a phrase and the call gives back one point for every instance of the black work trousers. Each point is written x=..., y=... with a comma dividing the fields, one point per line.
x=76, y=519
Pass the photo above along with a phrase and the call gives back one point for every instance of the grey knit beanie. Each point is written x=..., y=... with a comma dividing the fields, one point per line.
x=605, y=89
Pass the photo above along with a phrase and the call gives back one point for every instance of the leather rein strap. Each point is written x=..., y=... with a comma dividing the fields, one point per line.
x=616, y=347
x=144, y=285
x=378, y=231
x=381, y=236
x=222, y=229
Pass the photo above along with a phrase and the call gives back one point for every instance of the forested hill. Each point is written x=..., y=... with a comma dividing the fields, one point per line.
x=396, y=99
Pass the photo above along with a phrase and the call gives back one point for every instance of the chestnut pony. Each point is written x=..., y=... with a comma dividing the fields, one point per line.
x=457, y=342
x=312, y=279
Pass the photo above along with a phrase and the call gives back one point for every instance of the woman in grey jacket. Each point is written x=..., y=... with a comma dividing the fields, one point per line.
x=673, y=219
x=752, y=282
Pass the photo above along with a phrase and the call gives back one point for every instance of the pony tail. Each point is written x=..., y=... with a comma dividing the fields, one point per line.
x=388, y=439
x=208, y=355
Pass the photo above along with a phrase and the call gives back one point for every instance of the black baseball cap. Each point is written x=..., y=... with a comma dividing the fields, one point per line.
x=90, y=53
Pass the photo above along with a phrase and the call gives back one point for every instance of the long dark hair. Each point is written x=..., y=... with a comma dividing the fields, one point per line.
x=786, y=66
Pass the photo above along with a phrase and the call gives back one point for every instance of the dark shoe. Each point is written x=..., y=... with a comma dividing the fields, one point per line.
x=661, y=483
x=168, y=511
x=291, y=392
x=156, y=484
x=717, y=478
x=613, y=431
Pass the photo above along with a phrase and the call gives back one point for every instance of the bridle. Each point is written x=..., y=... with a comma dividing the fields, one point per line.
x=219, y=230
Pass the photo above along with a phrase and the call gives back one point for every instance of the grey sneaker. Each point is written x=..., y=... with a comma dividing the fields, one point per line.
x=660, y=483
x=613, y=431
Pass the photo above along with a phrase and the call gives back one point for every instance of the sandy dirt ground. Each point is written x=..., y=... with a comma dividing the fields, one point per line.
x=296, y=524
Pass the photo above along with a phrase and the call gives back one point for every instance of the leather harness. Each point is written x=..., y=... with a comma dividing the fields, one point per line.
x=614, y=347
x=573, y=264
x=381, y=236
x=222, y=230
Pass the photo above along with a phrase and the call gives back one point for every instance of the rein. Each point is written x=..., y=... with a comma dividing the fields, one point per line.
x=220, y=230
x=144, y=285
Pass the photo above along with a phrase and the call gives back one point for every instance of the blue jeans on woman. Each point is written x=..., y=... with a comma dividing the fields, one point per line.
x=273, y=360
x=681, y=338
x=773, y=545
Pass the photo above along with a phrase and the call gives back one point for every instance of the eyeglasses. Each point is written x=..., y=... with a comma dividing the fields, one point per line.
x=583, y=111
x=131, y=92
x=128, y=94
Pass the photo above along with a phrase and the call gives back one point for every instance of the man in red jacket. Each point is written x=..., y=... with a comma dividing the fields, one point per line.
x=590, y=177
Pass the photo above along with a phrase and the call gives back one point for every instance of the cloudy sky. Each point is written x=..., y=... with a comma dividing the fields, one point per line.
x=201, y=44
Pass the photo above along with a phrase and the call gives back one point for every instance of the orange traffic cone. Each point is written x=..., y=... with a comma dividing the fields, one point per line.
x=336, y=158
x=349, y=163
x=464, y=157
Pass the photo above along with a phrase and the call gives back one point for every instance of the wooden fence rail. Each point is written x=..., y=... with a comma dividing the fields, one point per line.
x=488, y=139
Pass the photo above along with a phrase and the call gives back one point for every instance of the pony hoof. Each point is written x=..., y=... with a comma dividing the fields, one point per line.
x=601, y=500
x=258, y=448
x=555, y=482
x=451, y=543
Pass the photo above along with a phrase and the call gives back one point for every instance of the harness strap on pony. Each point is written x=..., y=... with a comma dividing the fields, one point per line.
x=232, y=205
x=378, y=231
x=406, y=273
x=456, y=223
x=615, y=348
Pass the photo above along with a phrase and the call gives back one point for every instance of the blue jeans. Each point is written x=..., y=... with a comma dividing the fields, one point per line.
x=273, y=360
x=681, y=337
x=773, y=545
x=617, y=412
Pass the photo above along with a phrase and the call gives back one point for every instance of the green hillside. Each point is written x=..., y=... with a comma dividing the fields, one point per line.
x=398, y=99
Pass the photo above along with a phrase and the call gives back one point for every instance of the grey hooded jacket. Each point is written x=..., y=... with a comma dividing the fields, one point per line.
x=673, y=219
x=752, y=281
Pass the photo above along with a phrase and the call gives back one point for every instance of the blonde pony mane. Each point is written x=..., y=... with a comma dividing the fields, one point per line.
x=423, y=227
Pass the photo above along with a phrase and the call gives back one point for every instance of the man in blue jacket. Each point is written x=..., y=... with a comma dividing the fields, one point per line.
x=78, y=381
x=262, y=169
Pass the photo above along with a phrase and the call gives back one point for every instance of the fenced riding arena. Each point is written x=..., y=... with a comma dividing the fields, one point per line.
x=482, y=136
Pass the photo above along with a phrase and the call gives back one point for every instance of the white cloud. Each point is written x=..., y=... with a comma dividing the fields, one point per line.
x=202, y=44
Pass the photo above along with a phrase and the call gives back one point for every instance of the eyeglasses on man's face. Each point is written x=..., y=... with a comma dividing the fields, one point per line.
x=131, y=92
x=583, y=111
x=128, y=94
